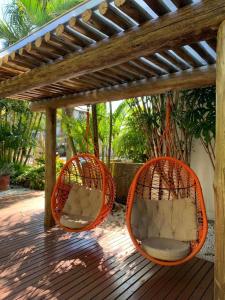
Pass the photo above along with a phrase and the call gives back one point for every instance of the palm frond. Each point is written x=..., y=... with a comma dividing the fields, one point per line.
x=22, y=16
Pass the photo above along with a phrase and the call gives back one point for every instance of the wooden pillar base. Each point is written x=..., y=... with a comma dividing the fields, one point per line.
x=219, y=183
x=50, y=164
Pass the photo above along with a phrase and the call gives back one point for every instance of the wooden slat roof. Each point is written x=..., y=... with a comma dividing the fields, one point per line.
x=96, y=25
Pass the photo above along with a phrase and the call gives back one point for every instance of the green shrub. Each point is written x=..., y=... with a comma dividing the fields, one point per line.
x=33, y=177
x=6, y=169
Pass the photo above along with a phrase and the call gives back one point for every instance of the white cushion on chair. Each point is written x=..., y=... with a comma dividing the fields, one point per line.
x=173, y=219
x=74, y=222
x=82, y=206
x=166, y=249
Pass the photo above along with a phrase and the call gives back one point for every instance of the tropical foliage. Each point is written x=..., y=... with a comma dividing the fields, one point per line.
x=33, y=177
x=135, y=130
x=75, y=129
x=145, y=135
x=23, y=16
x=130, y=143
x=200, y=117
x=81, y=139
x=19, y=128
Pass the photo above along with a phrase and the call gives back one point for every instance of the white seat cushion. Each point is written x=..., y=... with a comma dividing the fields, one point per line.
x=173, y=219
x=74, y=222
x=82, y=206
x=166, y=249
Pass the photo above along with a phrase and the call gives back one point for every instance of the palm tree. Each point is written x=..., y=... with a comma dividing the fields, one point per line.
x=95, y=129
x=23, y=16
x=110, y=134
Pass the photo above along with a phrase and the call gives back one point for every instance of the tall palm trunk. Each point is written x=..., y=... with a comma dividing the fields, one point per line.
x=95, y=129
x=110, y=134
x=71, y=148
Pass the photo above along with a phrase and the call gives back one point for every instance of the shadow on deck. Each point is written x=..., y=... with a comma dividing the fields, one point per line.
x=35, y=264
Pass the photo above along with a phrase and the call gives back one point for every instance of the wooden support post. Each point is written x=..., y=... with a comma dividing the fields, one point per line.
x=219, y=184
x=50, y=163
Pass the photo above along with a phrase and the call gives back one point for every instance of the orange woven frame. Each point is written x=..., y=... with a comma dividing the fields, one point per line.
x=168, y=177
x=87, y=170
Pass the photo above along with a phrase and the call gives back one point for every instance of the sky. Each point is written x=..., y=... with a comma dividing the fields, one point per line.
x=2, y=4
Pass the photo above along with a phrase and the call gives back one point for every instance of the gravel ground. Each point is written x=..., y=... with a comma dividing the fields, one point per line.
x=14, y=190
x=207, y=251
x=115, y=221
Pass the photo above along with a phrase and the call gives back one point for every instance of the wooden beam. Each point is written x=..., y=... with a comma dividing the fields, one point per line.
x=183, y=26
x=133, y=9
x=50, y=163
x=203, y=76
x=112, y=14
x=219, y=183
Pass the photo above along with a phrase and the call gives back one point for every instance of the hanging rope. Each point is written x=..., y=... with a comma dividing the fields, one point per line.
x=167, y=128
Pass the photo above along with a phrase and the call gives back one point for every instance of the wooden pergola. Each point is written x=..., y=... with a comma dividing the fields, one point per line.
x=103, y=50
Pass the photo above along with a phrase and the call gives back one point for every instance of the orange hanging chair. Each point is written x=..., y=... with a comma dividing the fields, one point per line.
x=84, y=193
x=166, y=216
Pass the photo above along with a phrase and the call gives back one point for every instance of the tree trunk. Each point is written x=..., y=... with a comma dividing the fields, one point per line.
x=110, y=134
x=71, y=148
x=95, y=129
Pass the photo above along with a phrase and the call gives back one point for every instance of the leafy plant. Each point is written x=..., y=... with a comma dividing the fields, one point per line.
x=130, y=143
x=149, y=113
x=75, y=128
x=6, y=169
x=18, y=131
x=199, y=117
x=23, y=16
x=33, y=177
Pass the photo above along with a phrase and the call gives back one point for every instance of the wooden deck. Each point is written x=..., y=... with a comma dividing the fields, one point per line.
x=97, y=265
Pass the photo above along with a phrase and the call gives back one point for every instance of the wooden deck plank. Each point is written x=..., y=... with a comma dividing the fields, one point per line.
x=90, y=278
x=203, y=285
x=170, y=281
x=47, y=288
x=43, y=267
x=111, y=278
x=180, y=285
x=160, y=282
x=160, y=286
x=56, y=285
x=193, y=284
x=27, y=276
x=209, y=293
x=98, y=265
x=114, y=271
x=43, y=256
x=113, y=282
x=129, y=281
x=138, y=294
x=37, y=241
x=129, y=292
